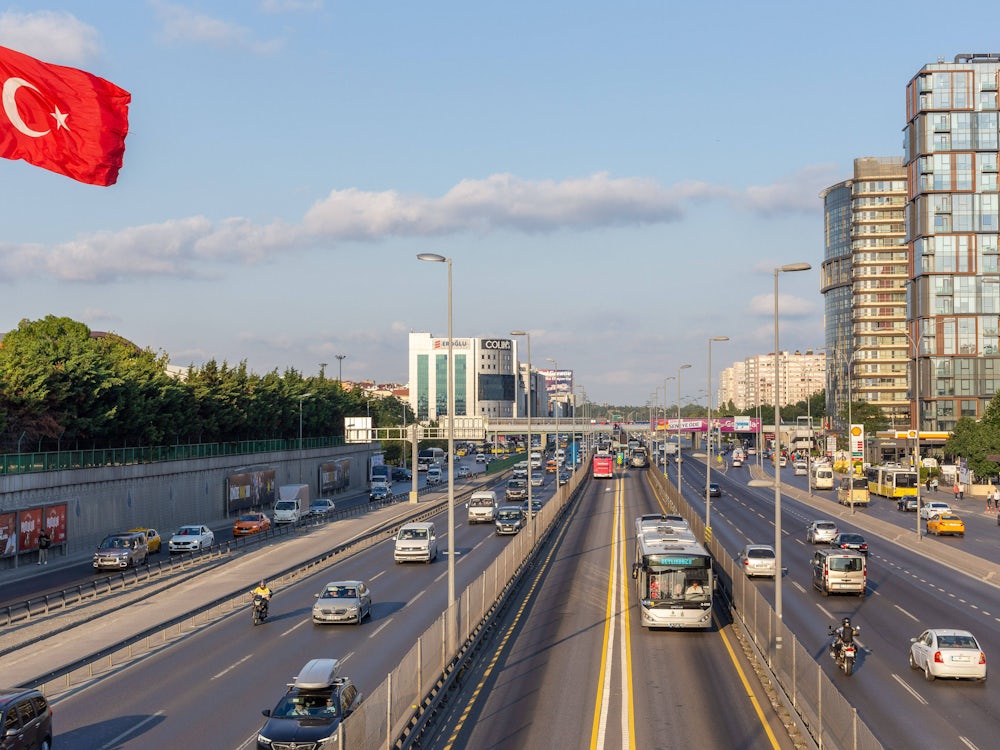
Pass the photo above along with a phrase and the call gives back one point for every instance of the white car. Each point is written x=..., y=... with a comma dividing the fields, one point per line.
x=819, y=532
x=758, y=560
x=537, y=479
x=191, y=538
x=948, y=653
x=801, y=468
x=933, y=508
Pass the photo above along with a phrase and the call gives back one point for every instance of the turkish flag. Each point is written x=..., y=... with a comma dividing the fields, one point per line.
x=62, y=119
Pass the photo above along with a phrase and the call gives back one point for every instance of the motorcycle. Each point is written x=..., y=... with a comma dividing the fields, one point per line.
x=847, y=654
x=259, y=609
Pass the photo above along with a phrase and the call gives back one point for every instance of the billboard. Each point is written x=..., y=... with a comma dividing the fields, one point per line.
x=29, y=526
x=8, y=534
x=334, y=476
x=558, y=382
x=700, y=424
x=253, y=488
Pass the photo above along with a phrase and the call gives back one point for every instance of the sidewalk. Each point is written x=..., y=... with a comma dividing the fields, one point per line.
x=141, y=611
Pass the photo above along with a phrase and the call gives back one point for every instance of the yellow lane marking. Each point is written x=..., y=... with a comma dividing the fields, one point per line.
x=746, y=686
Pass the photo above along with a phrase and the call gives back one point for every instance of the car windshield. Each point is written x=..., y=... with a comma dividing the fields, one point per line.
x=957, y=641
x=413, y=534
x=509, y=515
x=852, y=538
x=825, y=526
x=188, y=530
x=845, y=564
x=248, y=517
x=340, y=592
x=297, y=704
x=760, y=553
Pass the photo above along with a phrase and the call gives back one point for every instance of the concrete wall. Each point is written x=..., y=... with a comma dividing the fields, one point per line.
x=161, y=495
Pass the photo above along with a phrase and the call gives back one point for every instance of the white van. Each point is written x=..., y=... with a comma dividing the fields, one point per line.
x=839, y=571
x=482, y=506
x=415, y=542
x=434, y=474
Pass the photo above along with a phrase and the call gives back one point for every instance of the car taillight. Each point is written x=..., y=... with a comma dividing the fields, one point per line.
x=937, y=658
x=746, y=561
x=982, y=658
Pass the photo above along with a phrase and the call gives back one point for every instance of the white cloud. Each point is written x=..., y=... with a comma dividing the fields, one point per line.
x=183, y=25
x=789, y=305
x=289, y=6
x=52, y=36
x=195, y=246
x=798, y=193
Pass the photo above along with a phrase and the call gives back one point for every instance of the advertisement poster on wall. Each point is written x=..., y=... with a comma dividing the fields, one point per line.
x=55, y=522
x=29, y=526
x=8, y=534
x=250, y=489
x=334, y=476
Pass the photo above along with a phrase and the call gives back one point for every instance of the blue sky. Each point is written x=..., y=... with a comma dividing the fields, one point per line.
x=620, y=179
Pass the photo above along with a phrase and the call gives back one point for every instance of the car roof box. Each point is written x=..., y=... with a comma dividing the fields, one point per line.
x=317, y=674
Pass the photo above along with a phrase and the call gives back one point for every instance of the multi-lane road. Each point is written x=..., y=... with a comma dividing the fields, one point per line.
x=568, y=665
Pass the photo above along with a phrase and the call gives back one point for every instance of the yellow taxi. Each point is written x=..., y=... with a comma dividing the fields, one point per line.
x=946, y=523
x=152, y=538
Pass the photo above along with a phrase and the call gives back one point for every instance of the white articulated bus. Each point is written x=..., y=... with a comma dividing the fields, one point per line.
x=673, y=575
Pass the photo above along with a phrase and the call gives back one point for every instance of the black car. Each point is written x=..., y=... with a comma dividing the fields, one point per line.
x=26, y=719
x=310, y=713
x=850, y=541
x=401, y=474
x=714, y=490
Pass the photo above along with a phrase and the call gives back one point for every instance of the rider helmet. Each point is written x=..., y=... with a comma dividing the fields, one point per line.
x=846, y=622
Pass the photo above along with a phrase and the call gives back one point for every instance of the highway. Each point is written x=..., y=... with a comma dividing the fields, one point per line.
x=908, y=592
x=570, y=666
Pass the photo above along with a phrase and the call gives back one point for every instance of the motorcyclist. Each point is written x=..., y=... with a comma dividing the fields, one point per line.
x=265, y=594
x=843, y=636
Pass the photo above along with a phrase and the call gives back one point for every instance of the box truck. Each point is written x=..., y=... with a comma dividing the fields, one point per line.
x=292, y=503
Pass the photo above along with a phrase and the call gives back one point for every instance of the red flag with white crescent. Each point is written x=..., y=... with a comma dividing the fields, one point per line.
x=62, y=119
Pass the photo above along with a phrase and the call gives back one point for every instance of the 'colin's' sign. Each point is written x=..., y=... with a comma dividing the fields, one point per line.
x=500, y=344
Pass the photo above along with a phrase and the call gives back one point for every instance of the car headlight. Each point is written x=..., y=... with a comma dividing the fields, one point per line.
x=331, y=739
x=263, y=740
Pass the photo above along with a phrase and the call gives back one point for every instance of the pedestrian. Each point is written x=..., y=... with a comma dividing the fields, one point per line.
x=961, y=491
x=44, y=542
x=989, y=500
x=955, y=490
x=996, y=498
x=928, y=484
x=934, y=484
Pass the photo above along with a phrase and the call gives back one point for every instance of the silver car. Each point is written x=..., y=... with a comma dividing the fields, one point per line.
x=342, y=601
x=758, y=560
x=821, y=532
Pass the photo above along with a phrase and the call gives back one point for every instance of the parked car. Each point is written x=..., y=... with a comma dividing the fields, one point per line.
x=714, y=490
x=943, y=652
x=153, y=541
x=311, y=711
x=934, y=508
x=946, y=523
x=850, y=541
x=819, y=532
x=251, y=523
x=191, y=538
x=758, y=560
x=321, y=506
x=401, y=474
x=25, y=719
x=342, y=601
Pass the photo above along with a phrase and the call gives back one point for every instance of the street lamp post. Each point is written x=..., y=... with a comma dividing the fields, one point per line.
x=777, y=463
x=452, y=614
x=555, y=409
x=527, y=387
x=666, y=432
x=302, y=398
x=679, y=458
x=340, y=366
x=708, y=464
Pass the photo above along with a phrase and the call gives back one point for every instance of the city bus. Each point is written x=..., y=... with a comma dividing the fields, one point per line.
x=892, y=481
x=603, y=466
x=673, y=576
x=430, y=456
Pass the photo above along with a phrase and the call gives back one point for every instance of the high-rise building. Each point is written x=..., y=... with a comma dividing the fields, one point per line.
x=751, y=382
x=864, y=278
x=951, y=146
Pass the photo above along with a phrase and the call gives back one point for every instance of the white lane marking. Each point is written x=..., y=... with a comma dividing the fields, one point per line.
x=823, y=610
x=799, y=586
x=967, y=742
x=419, y=594
x=905, y=612
x=131, y=730
x=380, y=628
x=233, y=666
x=377, y=575
x=908, y=689
x=295, y=627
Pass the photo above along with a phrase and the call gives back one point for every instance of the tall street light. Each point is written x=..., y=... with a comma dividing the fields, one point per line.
x=666, y=432
x=915, y=420
x=527, y=388
x=452, y=624
x=708, y=465
x=555, y=409
x=340, y=366
x=777, y=432
x=302, y=398
x=682, y=367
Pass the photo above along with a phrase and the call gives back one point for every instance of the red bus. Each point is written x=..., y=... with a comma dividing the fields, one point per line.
x=604, y=466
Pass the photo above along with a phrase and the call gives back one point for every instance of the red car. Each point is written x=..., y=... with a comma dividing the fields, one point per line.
x=251, y=523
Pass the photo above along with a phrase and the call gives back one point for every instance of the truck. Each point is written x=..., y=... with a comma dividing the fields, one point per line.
x=292, y=503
